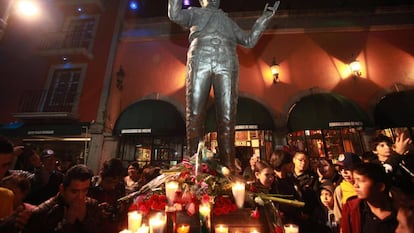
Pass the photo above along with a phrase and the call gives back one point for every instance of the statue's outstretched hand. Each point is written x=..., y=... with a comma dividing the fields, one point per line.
x=269, y=11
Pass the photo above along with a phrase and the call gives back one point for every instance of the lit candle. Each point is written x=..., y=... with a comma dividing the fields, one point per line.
x=254, y=231
x=134, y=221
x=221, y=228
x=291, y=228
x=204, y=211
x=157, y=224
x=143, y=229
x=125, y=231
x=171, y=188
x=238, y=190
x=183, y=228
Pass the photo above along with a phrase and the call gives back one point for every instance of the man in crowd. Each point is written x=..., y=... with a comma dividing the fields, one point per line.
x=371, y=210
x=46, y=180
x=70, y=210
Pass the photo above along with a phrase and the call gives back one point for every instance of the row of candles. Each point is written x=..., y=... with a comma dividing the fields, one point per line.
x=158, y=223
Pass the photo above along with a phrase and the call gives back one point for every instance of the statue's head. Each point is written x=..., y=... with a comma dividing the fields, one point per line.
x=210, y=3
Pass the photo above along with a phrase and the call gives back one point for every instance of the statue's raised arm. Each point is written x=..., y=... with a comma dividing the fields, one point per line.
x=272, y=9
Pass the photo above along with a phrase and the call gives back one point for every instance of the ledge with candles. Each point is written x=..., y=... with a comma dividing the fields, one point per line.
x=200, y=195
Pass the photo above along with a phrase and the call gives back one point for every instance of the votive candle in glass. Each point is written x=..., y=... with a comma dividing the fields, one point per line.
x=221, y=228
x=157, y=223
x=171, y=188
x=183, y=228
x=291, y=228
x=205, y=220
x=134, y=221
x=143, y=229
x=239, y=189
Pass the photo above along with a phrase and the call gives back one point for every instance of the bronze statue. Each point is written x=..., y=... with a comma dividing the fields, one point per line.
x=212, y=61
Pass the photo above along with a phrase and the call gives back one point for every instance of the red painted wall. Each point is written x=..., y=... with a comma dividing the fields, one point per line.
x=307, y=60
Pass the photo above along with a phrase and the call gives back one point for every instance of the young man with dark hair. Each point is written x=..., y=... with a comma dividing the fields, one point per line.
x=108, y=188
x=70, y=210
x=371, y=210
x=387, y=153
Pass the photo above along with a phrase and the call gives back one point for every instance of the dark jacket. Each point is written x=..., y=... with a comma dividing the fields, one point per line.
x=49, y=217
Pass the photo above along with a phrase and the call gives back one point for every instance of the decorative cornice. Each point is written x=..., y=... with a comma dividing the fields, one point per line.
x=286, y=22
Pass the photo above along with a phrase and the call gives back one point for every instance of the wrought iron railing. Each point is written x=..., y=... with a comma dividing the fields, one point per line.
x=39, y=101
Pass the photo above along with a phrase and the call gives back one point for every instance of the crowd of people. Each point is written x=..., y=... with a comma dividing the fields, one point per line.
x=353, y=193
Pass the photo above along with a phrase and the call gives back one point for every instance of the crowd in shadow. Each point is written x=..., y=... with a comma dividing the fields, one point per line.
x=354, y=193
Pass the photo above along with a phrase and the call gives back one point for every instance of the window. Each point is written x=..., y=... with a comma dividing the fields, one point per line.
x=79, y=33
x=63, y=90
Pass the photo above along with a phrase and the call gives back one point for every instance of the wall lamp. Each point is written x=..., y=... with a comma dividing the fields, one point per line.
x=275, y=68
x=356, y=68
x=120, y=74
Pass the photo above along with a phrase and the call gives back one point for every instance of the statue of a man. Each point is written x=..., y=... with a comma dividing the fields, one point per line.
x=212, y=61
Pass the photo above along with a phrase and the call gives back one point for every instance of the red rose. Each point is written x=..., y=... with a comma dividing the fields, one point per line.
x=144, y=209
x=133, y=207
x=255, y=214
x=205, y=198
x=279, y=229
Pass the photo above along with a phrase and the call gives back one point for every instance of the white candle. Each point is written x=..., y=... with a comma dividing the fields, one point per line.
x=143, y=229
x=204, y=210
x=171, y=188
x=134, y=221
x=239, y=190
x=157, y=224
x=254, y=231
x=125, y=231
x=221, y=228
x=291, y=228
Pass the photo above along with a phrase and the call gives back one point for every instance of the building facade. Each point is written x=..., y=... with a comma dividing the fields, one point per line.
x=124, y=82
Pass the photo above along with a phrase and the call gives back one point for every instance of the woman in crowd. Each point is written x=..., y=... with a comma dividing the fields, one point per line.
x=284, y=184
x=327, y=172
x=132, y=179
x=264, y=175
x=249, y=171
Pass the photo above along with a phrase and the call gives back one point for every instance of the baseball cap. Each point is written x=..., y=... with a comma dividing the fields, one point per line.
x=47, y=153
x=327, y=185
x=348, y=160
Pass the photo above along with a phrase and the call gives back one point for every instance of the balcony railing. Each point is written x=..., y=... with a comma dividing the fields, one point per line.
x=64, y=43
x=36, y=104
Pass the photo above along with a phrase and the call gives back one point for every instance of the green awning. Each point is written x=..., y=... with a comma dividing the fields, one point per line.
x=395, y=110
x=326, y=111
x=250, y=115
x=150, y=116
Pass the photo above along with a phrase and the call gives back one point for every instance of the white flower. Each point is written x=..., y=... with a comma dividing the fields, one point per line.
x=259, y=201
x=225, y=171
